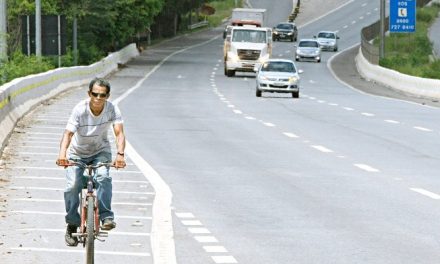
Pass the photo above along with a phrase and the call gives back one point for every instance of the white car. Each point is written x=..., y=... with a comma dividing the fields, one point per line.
x=328, y=40
x=308, y=49
x=278, y=76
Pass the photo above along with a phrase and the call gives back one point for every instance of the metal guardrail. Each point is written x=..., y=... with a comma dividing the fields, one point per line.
x=197, y=25
x=368, y=34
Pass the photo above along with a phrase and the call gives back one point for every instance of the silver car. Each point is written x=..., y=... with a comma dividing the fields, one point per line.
x=308, y=49
x=328, y=40
x=279, y=76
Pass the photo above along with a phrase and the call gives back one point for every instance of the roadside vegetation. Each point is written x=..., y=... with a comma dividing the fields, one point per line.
x=411, y=53
x=105, y=26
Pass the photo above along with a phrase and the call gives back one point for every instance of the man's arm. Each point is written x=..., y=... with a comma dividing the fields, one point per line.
x=64, y=144
x=120, y=145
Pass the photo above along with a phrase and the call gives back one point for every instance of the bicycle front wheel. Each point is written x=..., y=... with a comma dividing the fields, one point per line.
x=90, y=239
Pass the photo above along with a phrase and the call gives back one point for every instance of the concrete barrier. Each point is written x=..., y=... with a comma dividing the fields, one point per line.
x=416, y=86
x=22, y=94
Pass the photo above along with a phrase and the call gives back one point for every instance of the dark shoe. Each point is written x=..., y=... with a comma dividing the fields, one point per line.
x=108, y=224
x=71, y=241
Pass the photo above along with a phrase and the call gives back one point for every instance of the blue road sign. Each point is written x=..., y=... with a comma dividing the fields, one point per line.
x=402, y=16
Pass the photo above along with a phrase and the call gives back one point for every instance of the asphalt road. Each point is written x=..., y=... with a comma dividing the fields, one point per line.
x=337, y=176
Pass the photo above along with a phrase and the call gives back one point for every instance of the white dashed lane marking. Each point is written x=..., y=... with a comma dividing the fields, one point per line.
x=291, y=135
x=322, y=149
x=423, y=129
x=206, y=239
x=392, y=121
x=224, y=259
x=366, y=167
x=426, y=193
x=213, y=247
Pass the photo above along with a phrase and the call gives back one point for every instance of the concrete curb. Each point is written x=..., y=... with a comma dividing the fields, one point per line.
x=416, y=86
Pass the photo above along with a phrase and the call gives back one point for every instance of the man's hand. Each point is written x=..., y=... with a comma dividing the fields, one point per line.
x=119, y=162
x=63, y=162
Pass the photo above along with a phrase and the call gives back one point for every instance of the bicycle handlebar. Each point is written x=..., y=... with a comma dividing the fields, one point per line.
x=90, y=166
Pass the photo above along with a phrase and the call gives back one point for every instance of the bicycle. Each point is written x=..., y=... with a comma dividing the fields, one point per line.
x=90, y=227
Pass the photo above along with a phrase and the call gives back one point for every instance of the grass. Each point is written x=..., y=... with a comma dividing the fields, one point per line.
x=223, y=11
x=411, y=53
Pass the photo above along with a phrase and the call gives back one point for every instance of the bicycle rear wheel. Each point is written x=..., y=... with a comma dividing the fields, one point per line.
x=90, y=239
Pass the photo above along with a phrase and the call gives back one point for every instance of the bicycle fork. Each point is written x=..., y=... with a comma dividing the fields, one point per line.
x=82, y=235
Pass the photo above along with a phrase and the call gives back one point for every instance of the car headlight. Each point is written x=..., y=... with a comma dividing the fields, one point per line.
x=275, y=32
x=264, y=58
x=262, y=78
x=290, y=33
x=293, y=80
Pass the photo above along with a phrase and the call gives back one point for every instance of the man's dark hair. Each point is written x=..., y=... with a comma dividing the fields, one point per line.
x=100, y=82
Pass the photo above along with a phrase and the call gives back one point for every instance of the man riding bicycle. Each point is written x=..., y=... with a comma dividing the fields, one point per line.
x=85, y=140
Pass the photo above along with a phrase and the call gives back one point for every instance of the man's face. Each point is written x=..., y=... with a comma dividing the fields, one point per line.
x=98, y=96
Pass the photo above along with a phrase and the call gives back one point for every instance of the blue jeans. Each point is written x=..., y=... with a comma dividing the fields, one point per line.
x=75, y=182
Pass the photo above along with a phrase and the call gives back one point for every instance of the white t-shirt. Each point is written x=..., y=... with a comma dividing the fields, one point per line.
x=91, y=131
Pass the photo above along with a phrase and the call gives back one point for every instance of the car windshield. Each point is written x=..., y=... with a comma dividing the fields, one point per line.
x=326, y=35
x=285, y=26
x=278, y=66
x=308, y=44
x=255, y=36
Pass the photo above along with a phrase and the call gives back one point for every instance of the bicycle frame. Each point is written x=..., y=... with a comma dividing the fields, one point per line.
x=89, y=212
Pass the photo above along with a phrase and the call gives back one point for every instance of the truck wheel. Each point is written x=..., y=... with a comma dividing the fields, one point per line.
x=230, y=73
x=295, y=94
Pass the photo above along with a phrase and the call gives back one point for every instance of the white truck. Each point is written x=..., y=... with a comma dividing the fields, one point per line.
x=247, y=42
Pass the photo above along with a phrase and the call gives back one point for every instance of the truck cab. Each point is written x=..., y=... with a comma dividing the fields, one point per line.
x=245, y=48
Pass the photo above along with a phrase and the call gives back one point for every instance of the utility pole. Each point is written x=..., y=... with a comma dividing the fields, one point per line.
x=382, y=30
x=3, y=40
x=38, y=28
x=3, y=32
x=75, y=41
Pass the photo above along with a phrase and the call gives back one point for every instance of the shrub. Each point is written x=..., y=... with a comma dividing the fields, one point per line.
x=21, y=65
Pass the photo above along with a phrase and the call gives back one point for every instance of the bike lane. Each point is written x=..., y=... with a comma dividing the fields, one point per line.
x=32, y=186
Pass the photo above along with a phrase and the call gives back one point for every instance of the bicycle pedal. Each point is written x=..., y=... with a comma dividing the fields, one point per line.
x=103, y=234
x=79, y=235
x=100, y=240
